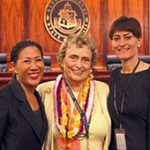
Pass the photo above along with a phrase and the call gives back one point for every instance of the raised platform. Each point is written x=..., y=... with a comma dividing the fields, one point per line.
x=102, y=75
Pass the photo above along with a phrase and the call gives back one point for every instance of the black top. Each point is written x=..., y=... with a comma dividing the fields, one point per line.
x=136, y=113
x=39, y=119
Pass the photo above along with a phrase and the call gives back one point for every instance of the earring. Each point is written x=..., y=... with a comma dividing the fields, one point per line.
x=15, y=71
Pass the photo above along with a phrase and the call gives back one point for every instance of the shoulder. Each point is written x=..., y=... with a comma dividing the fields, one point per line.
x=5, y=95
x=45, y=87
x=113, y=75
x=5, y=91
x=143, y=66
x=101, y=86
x=116, y=71
x=45, y=84
x=4, y=87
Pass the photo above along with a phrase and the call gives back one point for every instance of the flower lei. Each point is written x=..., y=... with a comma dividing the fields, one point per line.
x=68, y=122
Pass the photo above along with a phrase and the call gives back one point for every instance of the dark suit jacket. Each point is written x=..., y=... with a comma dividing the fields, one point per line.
x=18, y=126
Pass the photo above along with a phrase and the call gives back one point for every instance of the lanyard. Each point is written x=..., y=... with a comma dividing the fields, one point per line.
x=124, y=94
x=83, y=116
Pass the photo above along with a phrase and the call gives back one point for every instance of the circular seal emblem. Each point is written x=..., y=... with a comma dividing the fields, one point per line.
x=64, y=17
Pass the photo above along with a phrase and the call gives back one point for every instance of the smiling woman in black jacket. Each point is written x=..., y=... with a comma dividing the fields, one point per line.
x=23, y=124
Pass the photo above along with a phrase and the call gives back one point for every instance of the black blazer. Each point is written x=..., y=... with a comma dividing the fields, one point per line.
x=18, y=126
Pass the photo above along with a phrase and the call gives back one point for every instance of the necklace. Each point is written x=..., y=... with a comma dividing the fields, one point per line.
x=119, y=115
x=68, y=120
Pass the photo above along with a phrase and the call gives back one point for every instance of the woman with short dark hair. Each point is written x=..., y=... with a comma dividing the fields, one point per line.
x=129, y=98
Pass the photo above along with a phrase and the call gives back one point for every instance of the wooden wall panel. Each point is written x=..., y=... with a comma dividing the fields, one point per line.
x=137, y=12
x=114, y=11
x=95, y=24
x=12, y=28
x=146, y=26
x=104, y=31
x=24, y=19
x=37, y=30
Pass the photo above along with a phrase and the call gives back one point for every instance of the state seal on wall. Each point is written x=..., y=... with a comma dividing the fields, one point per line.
x=64, y=17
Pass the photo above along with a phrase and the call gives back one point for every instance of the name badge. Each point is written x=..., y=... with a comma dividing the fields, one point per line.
x=120, y=139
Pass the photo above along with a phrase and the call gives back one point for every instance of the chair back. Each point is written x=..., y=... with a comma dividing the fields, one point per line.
x=47, y=63
x=3, y=62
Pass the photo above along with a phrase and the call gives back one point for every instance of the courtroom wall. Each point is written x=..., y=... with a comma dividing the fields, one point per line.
x=24, y=19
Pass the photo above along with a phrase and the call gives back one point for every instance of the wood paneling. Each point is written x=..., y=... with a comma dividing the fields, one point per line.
x=12, y=26
x=95, y=23
x=37, y=30
x=24, y=19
